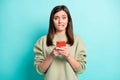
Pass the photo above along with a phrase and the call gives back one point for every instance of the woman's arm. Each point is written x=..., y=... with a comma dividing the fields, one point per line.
x=65, y=52
x=44, y=65
x=74, y=63
x=78, y=61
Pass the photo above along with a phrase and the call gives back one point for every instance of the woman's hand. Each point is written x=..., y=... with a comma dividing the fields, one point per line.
x=55, y=52
x=63, y=51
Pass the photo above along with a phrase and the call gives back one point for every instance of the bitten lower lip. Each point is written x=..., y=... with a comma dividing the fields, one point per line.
x=60, y=25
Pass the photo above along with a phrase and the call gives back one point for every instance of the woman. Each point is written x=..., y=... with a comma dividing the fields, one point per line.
x=62, y=61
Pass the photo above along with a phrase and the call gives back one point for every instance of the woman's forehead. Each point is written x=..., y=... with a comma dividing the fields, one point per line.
x=60, y=13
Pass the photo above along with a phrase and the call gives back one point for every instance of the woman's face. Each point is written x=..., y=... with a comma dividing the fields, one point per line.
x=60, y=21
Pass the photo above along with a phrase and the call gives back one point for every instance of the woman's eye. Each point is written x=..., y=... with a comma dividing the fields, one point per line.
x=56, y=18
x=64, y=17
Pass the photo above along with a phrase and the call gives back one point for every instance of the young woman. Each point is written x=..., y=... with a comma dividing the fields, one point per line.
x=60, y=55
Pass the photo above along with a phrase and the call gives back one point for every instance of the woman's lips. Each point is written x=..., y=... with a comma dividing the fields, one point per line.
x=61, y=25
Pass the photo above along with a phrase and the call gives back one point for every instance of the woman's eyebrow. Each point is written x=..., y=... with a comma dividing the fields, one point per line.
x=64, y=15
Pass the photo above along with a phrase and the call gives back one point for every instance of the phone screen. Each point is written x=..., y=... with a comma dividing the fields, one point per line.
x=60, y=43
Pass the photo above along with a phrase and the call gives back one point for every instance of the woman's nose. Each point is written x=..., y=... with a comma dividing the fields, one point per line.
x=60, y=20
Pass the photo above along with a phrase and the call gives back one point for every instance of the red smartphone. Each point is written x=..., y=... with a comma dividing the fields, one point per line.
x=60, y=43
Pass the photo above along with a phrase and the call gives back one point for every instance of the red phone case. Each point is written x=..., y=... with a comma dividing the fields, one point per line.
x=60, y=43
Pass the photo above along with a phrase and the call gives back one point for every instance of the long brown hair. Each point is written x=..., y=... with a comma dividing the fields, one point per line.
x=69, y=29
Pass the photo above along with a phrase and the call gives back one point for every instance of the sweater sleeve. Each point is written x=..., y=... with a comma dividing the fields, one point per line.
x=39, y=55
x=80, y=55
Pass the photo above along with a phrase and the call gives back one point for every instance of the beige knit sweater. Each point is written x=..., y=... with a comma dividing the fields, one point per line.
x=60, y=69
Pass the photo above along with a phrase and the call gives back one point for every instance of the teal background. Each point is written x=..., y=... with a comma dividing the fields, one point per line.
x=22, y=22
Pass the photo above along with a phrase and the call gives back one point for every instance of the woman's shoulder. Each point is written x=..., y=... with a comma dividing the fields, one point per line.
x=42, y=38
x=76, y=36
x=78, y=39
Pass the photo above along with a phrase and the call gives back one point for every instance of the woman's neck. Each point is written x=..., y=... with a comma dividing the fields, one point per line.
x=61, y=32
